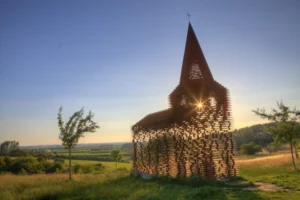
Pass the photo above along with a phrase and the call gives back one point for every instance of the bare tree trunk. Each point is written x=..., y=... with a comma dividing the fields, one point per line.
x=70, y=165
x=296, y=150
x=292, y=153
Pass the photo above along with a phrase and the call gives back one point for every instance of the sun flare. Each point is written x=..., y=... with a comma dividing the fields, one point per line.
x=199, y=105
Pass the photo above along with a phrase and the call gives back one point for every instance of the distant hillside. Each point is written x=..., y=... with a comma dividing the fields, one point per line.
x=244, y=135
x=253, y=133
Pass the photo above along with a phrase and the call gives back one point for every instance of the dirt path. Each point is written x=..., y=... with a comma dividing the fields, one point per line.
x=246, y=185
x=265, y=187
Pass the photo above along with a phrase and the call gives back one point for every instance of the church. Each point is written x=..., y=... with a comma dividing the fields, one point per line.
x=193, y=136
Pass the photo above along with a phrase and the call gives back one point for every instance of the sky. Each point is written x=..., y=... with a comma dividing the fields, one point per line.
x=121, y=59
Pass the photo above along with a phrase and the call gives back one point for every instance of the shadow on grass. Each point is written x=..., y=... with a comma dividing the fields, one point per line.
x=127, y=187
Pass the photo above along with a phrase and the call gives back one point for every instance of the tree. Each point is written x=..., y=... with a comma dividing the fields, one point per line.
x=8, y=146
x=296, y=145
x=273, y=147
x=286, y=127
x=250, y=149
x=74, y=129
x=116, y=156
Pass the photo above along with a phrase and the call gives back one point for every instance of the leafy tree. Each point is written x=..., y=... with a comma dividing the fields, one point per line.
x=74, y=129
x=250, y=149
x=286, y=127
x=270, y=148
x=273, y=147
x=276, y=145
x=296, y=145
x=42, y=158
x=18, y=153
x=116, y=156
x=8, y=146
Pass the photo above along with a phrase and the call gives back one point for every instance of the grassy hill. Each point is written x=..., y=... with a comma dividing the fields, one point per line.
x=254, y=133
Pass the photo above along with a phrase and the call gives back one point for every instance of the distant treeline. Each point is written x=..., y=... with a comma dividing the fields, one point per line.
x=93, y=158
x=254, y=134
x=38, y=165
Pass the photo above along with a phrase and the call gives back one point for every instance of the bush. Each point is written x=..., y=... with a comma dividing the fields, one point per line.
x=30, y=164
x=23, y=172
x=86, y=169
x=3, y=166
x=250, y=148
x=77, y=169
x=41, y=158
x=99, y=167
x=36, y=165
x=56, y=167
x=18, y=153
x=8, y=161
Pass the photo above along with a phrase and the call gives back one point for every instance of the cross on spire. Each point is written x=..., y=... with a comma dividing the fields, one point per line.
x=189, y=16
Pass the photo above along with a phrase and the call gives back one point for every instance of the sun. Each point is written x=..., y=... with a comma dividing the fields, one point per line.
x=199, y=105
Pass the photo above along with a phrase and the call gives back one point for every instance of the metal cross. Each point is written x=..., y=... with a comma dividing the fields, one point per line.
x=189, y=16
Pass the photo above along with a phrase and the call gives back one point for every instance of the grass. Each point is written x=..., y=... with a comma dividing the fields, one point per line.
x=85, y=152
x=110, y=185
x=101, y=186
x=106, y=164
x=79, y=154
x=276, y=169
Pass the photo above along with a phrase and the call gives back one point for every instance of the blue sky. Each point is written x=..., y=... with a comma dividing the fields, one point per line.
x=121, y=59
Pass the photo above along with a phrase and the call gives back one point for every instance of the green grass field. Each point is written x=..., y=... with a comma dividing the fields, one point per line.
x=106, y=164
x=111, y=185
x=85, y=152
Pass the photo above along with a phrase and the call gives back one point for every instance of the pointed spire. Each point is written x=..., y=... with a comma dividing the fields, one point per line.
x=194, y=56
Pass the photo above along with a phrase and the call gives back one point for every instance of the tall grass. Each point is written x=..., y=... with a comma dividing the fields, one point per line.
x=40, y=186
x=276, y=169
x=281, y=163
x=112, y=185
x=100, y=186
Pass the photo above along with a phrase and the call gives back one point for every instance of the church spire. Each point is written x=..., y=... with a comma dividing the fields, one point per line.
x=194, y=59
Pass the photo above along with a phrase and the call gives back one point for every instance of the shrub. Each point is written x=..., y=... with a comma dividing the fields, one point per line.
x=85, y=169
x=23, y=172
x=18, y=153
x=8, y=161
x=88, y=169
x=77, y=169
x=250, y=149
x=29, y=164
x=99, y=167
x=42, y=158
x=3, y=166
x=56, y=167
